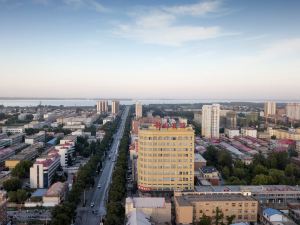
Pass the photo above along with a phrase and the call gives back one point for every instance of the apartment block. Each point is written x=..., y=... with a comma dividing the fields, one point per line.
x=211, y=121
x=138, y=110
x=165, y=158
x=293, y=111
x=270, y=108
x=65, y=151
x=43, y=170
x=115, y=107
x=102, y=106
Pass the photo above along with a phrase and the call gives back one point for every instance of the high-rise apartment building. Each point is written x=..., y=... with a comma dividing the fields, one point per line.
x=165, y=158
x=270, y=108
x=115, y=107
x=231, y=120
x=211, y=121
x=138, y=110
x=102, y=106
x=293, y=111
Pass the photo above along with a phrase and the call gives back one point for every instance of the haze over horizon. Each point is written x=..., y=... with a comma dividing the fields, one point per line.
x=193, y=49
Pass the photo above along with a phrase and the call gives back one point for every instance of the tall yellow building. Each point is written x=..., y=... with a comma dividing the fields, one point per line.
x=165, y=158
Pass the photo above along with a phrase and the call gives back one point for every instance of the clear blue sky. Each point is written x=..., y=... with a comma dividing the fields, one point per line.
x=218, y=49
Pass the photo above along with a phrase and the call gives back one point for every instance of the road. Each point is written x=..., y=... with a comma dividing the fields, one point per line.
x=98, y=196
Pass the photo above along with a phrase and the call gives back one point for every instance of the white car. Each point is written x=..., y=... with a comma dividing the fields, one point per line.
x=92, y=204
x=99, y=186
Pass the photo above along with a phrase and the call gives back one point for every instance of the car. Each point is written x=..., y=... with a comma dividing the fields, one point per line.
x=99, y=186
x=101, y=170
x=92, y=204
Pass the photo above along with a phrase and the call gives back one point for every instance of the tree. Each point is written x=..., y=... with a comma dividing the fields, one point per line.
x=262, y=179
x=259, y=169
x=226, y=172
x=18, y=196
x=230, y=219
x=12, y=184
x=22, y=169
x=219, y=216
x=205, y=220
x=273, y=137
x=277, y=175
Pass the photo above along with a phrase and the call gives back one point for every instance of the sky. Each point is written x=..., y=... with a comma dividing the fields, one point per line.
x=188, y=49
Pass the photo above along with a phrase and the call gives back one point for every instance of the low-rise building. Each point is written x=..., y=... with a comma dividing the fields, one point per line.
x=155, y=208
x=210, y=174
x=199, y=162
x=293, y=134
x=15, y=138
x=35, y=138
x=275, y=217
x=231, y=133
x=191, y=206
x=5, y=153
x=275, y=196
x=248, y=131
x=69, y=139
x=13, y=129
x=28, y=153
x=55, y=194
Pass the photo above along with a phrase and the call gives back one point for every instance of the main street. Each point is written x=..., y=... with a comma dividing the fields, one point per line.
x=98, y=195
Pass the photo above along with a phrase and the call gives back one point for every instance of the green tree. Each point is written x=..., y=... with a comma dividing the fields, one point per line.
x=259, y=169
x=219, y=216
x=12, y=184
x=230, y=219
x=205, y=220
x=226, y=172
x=262, y=179
x=22, y=169
x=18, y=196
x=277, y=175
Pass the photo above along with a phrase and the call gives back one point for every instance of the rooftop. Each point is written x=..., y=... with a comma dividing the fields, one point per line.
x=147, y=202
x=271, y=212
x=187, y=199
x=208, y=169
x=56, y=189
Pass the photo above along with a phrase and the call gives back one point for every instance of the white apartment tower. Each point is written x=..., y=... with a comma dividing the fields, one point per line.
x=102, y=106
x=270, y=108
x=138, y=110
x=115, y=107
x=211, y=121
x=293, y=111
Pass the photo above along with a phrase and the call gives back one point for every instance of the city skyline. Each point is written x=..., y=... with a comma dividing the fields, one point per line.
x=218, y=49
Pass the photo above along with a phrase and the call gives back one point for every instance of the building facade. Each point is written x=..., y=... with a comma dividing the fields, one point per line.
x=102, y=106
x=270, y=109
x=293, y=111
x=43, y=170
x=231, y=120
x=165, y=158
x=115, y=107
x=211, y=121
x=191, y=206
x=138, y=110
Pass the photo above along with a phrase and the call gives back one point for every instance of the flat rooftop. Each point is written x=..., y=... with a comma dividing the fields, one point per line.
x=187, y=199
